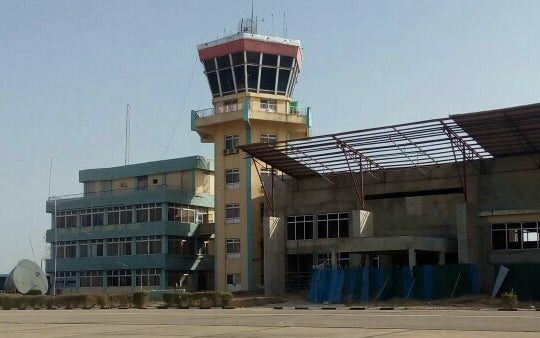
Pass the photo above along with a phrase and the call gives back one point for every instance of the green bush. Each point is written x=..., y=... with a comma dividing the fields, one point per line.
x=226, y=298
x=102, y=301
x=169, y=299
x=509, y=300
x=35, y=302
x=140, y=299
x=8, y=302
x=34, y=293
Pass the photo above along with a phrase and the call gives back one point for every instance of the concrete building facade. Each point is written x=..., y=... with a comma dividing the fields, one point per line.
x=251, y=79
x=146, y=226
x=480, y=205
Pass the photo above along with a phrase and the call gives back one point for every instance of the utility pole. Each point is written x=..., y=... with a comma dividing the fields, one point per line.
x=128, y=127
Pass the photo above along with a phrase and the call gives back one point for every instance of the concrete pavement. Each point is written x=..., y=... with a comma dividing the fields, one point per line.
x=266, y=322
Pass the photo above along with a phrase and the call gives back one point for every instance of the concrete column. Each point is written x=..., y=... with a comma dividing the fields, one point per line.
x=105, y=218
x=133, y=215
x=77, y=249
x=133, y=279
x=164, y=211
x=164, y=244
x=78, y=219
x=78, y=281
x=333, y=257
x=442, y=258
x=104, y=281
x=412, y=258
x=163, y=279
x=274, y=233
x=133, y=246
x=462, y=233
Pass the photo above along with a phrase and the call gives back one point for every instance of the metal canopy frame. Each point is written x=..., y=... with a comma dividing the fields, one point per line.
x=421, y=145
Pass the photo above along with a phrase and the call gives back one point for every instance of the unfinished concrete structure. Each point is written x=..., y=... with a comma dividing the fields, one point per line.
x=459, y=189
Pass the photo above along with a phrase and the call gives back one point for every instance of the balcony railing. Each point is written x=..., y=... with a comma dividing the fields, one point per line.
x=262, y=107
x=117, y=191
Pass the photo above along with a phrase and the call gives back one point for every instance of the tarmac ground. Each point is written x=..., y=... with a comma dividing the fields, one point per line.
x=268, y=322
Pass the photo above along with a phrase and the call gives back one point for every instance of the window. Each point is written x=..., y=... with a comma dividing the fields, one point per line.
x=268, y=80
x=268, y=138
x=66, y=249
x=333, y=225
x=148, y=277
x=233, y=278
x=92, y=217
x=232, y=247
x=90, y=279
x=148, y=212
x=203, y=248
x=228, y=106
x=142, y=182
x=232, y=213
x=342, y=259
x=180, y=246
x=93, y=248
x=515, y=236
x=66, y=279
x=119, y=246
x=119, y=215
x=181, y=213
x=148, y=245
x=232, y=178
x=231, y=142
x=268, y=105
x=119, y=278
x=66, y=219
x=299, y=227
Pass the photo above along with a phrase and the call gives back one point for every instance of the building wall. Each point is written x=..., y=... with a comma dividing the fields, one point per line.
x=498, y=191
x=249, y=193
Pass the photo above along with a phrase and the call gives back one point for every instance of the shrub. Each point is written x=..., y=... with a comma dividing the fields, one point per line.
x=140, y=299
x=169, y=299
x=183, y=300
x=8, y=302
x=35, y=302
x=50, y=302
x=102, y=301
x=509, y=299
x=225, y=297
x=34, y=292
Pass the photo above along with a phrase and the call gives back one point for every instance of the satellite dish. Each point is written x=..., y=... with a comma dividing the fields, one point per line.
x=26, y=276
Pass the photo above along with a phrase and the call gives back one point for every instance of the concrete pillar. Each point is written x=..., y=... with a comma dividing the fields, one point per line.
x=133, y=280
x=462, y=233
x=133, y=246
x=441, y=258
x=163, y=279
x=105, y=218
x=164, y=244
x=133, y=215
x=274, y=233
x=78, y=219
x=164, y=211
x=412, y=258
x=104, y=281
x=367, y=260
x=333, y=257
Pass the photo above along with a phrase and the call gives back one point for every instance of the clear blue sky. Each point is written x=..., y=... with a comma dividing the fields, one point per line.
x=68, y=69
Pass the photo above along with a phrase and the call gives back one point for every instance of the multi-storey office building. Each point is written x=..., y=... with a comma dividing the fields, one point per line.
x=139, y=226
x=251, y=78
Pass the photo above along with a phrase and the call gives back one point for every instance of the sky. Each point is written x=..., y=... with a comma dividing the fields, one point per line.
x=69, y=68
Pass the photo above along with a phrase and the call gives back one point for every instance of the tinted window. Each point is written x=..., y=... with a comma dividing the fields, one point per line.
x=223, y=61
x=286, y=61
x=212, y=80
x=269, y=59
x=268, y=78
x=238, y=58
x=253, y=57
x=253, y=76
x=209, y=65
x=283, y=80
x=226, y=78
x=240, y=78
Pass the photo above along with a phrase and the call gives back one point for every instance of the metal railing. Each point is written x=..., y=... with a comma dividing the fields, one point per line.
x=262, y=107
x=116, y=191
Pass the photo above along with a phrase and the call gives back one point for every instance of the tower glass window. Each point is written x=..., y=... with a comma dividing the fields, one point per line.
x=232, y=213
x=232, y=247
x=231, y=142
x=232, y=178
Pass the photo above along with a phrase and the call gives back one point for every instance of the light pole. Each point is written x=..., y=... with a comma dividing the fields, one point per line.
x=55, y=246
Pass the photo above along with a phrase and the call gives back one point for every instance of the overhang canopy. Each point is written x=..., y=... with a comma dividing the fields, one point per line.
x=481, y=135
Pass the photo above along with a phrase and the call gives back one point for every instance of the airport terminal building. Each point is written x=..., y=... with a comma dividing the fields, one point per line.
x=462, y=189
x=146, y=226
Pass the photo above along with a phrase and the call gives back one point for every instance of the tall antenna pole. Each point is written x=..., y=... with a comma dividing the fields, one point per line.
x=252, y=16
x=50, y=175
x=55, y=247
x=126, y=149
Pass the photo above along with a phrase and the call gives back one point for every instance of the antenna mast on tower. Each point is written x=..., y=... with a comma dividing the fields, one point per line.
x=128, y=127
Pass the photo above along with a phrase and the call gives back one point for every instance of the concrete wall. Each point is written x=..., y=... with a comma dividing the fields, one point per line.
x=491, y=185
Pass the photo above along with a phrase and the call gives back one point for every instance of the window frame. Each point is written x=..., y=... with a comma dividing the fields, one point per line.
x=229, y=207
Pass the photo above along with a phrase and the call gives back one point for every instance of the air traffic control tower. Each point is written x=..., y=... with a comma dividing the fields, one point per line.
x=251, y=78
